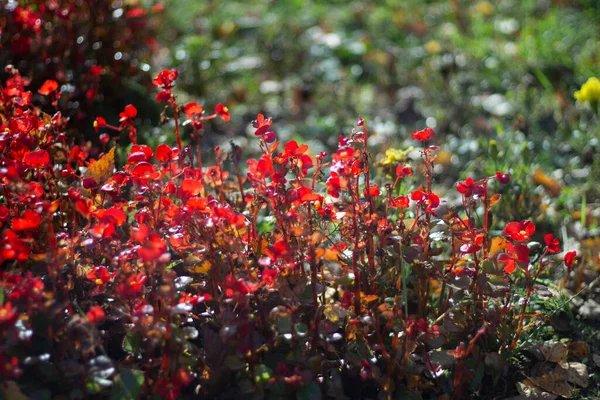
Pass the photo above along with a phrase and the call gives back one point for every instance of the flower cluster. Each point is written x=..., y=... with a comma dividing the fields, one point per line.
x=293, y=273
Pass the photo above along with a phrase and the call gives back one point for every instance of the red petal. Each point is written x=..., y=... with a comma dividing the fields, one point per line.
x=163, y=152
x=191, y=187
x=48, y=87
x=37, y=159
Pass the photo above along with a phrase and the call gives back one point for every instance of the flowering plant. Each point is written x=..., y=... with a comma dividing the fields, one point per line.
x=296, y=274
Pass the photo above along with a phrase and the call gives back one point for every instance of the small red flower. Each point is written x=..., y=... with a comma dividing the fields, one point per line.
x=48, y=87
x=502, y=178
x=163, y=153
x=399, y=202
x=514, y=254
x=424, y=134
x=372, y=191
x=430, y=199
x=222, y=112
x=519, y=231
x=37, y=159
x=570, y=259
x=128, y=113
x=8, y=314
x=96, y=315
x=29, y=220
x=132, y=285
x=334, y=185
x=99, y=123
x=166, y=78
x=552, y=243
x=403, y=171
x=468, y=188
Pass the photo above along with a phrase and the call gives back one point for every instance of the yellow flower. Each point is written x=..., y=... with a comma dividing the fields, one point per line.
x=485, y=8
x=392, y=158
x=589, y=92
x=395, y=156
x=433, y=47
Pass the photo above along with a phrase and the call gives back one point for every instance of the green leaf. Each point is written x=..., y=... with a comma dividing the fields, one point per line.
x=309, y=392
x=128, y=384
x=132, y=343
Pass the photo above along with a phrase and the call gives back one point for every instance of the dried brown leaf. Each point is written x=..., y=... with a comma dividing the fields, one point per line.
x=554, y=351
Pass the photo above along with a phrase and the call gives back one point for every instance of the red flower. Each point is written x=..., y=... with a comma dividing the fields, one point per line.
x=430, y=199
x=191, y=187
x=128, y=113
x=519, y=231
x=99, y=123
x=222, y=112
x=132, y=285
x=514, y=254
x=372, y=191
x=100, y=275
x=163, y=153
x=424, y=134
x=96, y=315
x=469, y=187
x=570, y=259
x=48, y=87
x=166, y=78
x=292, y=149
x=399, y=202
x=139, y=153
x=8, y=314
x=192, y=110
x=37, y=159
x=334, y=185
x=402, y=171
x=502, y=178
x=552, y=243
x=29, y=220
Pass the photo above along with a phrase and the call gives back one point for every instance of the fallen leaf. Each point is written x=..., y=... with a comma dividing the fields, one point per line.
x=577, y=373
x=596, y=359
x=530, y=391
x=554, y=351
x=553, y=383
x=579, y=349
